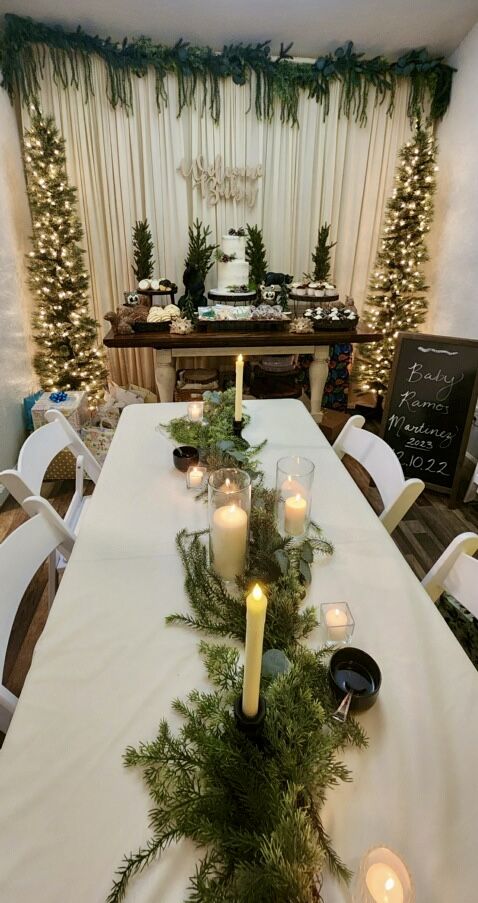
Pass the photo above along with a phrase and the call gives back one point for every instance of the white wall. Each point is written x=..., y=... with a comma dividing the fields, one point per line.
x=16, y=378
x=454, y=241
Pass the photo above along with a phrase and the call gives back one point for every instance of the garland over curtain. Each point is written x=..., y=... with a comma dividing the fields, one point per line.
x=199, y=71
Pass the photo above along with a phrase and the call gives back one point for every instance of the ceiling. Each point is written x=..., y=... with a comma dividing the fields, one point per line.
x=386, y=26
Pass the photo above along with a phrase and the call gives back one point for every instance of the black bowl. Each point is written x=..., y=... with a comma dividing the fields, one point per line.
x=184, y=456
x=354, y=669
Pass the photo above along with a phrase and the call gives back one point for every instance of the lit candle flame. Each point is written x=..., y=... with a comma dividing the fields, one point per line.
x=257, y=592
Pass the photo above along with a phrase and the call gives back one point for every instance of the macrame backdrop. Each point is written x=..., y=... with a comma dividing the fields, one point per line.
x=126, y=168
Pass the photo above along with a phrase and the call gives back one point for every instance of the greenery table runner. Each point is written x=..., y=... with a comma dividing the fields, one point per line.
x=254, y=813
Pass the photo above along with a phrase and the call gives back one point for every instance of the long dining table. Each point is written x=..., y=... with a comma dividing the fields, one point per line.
x=107, y=667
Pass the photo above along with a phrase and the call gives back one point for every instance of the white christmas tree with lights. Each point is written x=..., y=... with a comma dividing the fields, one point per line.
x=397, y=301
x=66, y=335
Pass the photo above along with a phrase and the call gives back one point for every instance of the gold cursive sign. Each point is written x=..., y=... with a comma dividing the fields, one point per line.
x=216, y=181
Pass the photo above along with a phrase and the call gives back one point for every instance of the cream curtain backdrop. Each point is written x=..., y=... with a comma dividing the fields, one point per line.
x=126, y=168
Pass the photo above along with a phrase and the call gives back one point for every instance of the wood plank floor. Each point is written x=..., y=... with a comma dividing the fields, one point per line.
x=421, y=537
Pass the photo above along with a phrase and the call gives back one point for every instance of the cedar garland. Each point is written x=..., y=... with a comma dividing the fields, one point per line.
x=25, y=44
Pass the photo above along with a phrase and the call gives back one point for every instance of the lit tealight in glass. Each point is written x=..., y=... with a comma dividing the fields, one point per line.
x=384, y=878
x=195, y=411
x=337, y=622
x=195, y=477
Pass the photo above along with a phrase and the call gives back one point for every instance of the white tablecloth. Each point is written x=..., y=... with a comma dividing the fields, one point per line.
x=106, y=669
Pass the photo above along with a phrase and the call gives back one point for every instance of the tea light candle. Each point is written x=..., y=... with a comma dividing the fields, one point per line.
x=195, y=411
x=239, y=382
x=229, y=541
x=383, y=884
x=338, y=620
x=195, y=476
x=295, y=512
x=256, y=606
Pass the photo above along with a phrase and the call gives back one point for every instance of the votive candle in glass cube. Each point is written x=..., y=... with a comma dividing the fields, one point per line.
x=196, y=477
x=195, y=411
x=337, y=622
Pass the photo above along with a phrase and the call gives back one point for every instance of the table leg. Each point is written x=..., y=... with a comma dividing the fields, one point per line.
x=318, y=372
x=165, y=373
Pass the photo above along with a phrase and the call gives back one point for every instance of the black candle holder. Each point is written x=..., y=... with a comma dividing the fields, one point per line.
x=237, y=427
x=252, y=728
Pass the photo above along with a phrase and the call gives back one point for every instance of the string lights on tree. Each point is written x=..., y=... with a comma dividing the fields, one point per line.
x=397, y=300
x=68, y=356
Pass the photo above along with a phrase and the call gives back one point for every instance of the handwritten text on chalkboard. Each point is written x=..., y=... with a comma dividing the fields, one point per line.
x=428, y=405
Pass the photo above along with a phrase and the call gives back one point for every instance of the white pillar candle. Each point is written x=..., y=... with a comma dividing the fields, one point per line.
x=256, y=606
x=195, y=411
x=295, y=513
x=383, y=884
x=337, y=619
x=229, y=541
x=239, y=381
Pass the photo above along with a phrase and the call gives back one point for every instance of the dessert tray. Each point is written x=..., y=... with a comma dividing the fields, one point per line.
x=244, y=318
x=332, y=318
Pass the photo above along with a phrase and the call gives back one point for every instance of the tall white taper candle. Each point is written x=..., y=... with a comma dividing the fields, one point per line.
x=239, y=381
x=256, y=604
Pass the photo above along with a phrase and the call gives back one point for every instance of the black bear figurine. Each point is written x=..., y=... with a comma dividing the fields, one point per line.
x=194, y=287
x=277, y=279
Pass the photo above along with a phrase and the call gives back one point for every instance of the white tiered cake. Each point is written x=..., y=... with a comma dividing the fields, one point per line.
x=233, y=271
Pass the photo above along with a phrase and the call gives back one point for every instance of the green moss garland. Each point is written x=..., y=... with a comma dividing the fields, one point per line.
x=199, y=71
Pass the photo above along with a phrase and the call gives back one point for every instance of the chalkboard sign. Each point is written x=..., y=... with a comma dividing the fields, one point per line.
x=430, y=405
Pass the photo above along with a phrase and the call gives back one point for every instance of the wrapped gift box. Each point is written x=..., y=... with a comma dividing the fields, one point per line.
x=75, y=409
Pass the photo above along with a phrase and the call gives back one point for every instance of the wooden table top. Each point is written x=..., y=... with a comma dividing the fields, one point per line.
x=229, y=339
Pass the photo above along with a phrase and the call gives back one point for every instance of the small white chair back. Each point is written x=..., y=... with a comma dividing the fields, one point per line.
x=21, y=554
x=456, y=572
x=381, y=462
x=39, y=450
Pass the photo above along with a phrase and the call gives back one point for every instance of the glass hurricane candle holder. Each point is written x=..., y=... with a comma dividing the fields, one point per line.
x=196, y=477
x=229, y=508
x=337, y=622
x=294, y=479
x=383, y=877
x=195, y=411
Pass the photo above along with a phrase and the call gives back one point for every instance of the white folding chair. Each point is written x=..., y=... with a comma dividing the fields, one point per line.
x=456, y=572
x=36, y=454
x=381, y=462
x=21, y=554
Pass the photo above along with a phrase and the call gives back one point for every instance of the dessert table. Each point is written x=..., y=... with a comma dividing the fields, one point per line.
x=230, y=344
x=107, y=668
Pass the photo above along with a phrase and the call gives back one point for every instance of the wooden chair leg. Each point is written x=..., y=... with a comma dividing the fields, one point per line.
x=52, y=578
